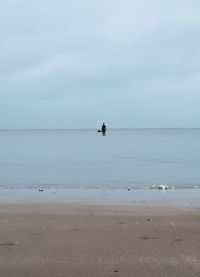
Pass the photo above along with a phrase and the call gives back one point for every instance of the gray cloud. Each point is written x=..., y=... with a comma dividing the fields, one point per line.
x=75, y=63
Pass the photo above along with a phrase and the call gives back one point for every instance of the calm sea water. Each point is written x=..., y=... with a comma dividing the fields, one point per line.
x=138, y=158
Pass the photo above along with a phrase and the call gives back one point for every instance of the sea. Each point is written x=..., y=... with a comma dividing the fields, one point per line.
x=81, y=164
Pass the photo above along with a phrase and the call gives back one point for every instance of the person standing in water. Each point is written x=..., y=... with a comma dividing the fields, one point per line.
x=103, y=129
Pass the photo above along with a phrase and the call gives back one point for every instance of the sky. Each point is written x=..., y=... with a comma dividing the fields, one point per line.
x=78, y=63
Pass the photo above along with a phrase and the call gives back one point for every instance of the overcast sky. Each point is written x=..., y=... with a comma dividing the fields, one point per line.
x=78, y=63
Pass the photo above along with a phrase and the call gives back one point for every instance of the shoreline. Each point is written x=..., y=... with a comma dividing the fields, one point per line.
x=151, y=197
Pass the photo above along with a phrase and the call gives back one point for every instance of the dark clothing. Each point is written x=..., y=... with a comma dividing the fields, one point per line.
x=103, y=129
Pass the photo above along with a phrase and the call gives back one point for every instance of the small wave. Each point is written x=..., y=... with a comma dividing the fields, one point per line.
x=100, y=186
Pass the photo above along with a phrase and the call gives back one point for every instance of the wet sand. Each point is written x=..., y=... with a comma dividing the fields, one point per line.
x=59, y=240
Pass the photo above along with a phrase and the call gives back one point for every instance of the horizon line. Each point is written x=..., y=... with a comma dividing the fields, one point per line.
x=92, y=128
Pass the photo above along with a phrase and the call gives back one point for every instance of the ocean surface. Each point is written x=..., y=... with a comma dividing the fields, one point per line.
x=84, y=159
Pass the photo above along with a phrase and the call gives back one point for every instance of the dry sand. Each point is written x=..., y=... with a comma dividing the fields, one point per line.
x=61, y=240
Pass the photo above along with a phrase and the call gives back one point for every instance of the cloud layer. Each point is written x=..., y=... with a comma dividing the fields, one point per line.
x=71, y=64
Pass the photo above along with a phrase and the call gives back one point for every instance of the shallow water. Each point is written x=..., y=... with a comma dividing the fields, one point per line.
x=137, y=158
x=176, y=197
x=83, y=165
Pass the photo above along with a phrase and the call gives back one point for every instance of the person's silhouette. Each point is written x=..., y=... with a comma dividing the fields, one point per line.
x=103, y=129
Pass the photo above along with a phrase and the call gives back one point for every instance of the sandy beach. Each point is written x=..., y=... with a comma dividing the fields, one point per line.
x=55, y=239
